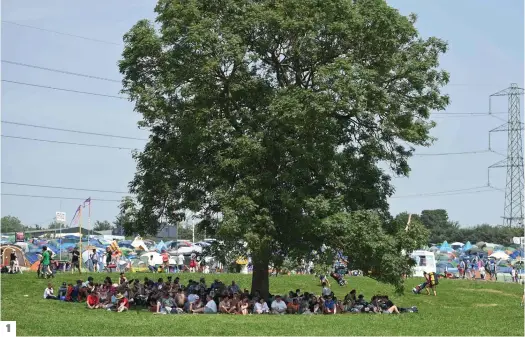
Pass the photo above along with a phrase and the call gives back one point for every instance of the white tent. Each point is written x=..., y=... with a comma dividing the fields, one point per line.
x=138, y=243
x=499, y=255
x=459, y=244
x=157, y=258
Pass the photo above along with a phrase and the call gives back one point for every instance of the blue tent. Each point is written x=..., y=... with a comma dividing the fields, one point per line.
x=467, y=246
x=161, y=246
x=445, y=247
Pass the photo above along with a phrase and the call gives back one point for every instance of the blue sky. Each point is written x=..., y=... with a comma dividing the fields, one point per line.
x=486, y=44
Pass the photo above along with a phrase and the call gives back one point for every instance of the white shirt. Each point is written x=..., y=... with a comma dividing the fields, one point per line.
x=260, y=308
x=151, y=262
x=180, y=260
x=48, y=292
x=212, y=305
x=279, y=306
x=326, y=291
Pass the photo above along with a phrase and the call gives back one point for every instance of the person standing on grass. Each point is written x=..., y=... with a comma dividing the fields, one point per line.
x=108, y=259
x=46, y=261
x=514, y=274
x=94, y=260
x=151, y=264
x=75, y=261
x=180, y=262
x=165, y=261
x=431, y=282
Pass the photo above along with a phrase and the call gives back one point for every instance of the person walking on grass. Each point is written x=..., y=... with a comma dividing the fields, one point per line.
x=431, y=282
x=75, y=261
x=46, y=261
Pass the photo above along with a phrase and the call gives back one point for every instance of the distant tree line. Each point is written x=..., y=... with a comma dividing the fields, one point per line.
x=441, y=228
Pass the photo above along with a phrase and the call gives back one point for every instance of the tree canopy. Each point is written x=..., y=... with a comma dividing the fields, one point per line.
x=11, y=224
x=277, y=115
x=102, y=225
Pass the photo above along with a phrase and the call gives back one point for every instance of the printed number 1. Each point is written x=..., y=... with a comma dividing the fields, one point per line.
x=8, y=326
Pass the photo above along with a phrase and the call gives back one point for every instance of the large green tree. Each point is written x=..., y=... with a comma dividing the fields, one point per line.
x=102, y=225
x=277, y=115
x=11, y=224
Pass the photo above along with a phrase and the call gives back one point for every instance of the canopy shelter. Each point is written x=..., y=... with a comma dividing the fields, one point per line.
x=19, y=253
x=139, y=244
x=499, y=255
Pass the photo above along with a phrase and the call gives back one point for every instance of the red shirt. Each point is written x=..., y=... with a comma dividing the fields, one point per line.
x=92, y=300
x=124, y=301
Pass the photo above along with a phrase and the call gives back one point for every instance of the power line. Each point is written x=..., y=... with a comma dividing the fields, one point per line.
x=63, y=188
x=466, y=113
x=470, y=190
x=450, y=153
x=62, y=33
x=73, y=131
x=126, y=148
x=61, y=71
x=70, y=143
x=56, y=197
x=63, y=89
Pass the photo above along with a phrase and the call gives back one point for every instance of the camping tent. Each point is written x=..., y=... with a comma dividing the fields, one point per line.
x=499, y=255
x=20, y=255
x=161, y=246
x=138, y=244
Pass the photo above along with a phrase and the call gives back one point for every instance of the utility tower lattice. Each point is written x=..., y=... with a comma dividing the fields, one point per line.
x=514, y=202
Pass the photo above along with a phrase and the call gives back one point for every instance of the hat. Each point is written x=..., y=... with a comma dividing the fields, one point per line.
x=119, y=296
x=361, y=296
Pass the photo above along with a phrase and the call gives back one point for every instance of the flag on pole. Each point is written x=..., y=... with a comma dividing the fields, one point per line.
x=87, y=201
x=76, y=216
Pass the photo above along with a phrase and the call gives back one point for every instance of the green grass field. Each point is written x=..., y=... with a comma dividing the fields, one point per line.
x=461, y=308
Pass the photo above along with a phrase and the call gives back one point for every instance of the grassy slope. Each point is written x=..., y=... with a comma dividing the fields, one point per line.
x=461, y=308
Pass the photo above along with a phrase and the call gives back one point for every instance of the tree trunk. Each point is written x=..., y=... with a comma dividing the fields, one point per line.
x=260, y=276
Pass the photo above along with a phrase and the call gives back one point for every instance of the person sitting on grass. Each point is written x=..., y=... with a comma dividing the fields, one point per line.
x=330, y=305
x=165, y=304
x=242, y=306
x=261, y=307
x=209, y=308
x=278, y=306
x=62, y=291
x=293, y=306
x=122, y=304
x=387, y=306
x=225, y=306
x=93, y=300
x=49, y=292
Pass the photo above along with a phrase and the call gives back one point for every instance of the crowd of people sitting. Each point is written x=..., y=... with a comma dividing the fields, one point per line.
x=172, y=297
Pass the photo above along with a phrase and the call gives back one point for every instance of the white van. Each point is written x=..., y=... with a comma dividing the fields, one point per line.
x=425, y=261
